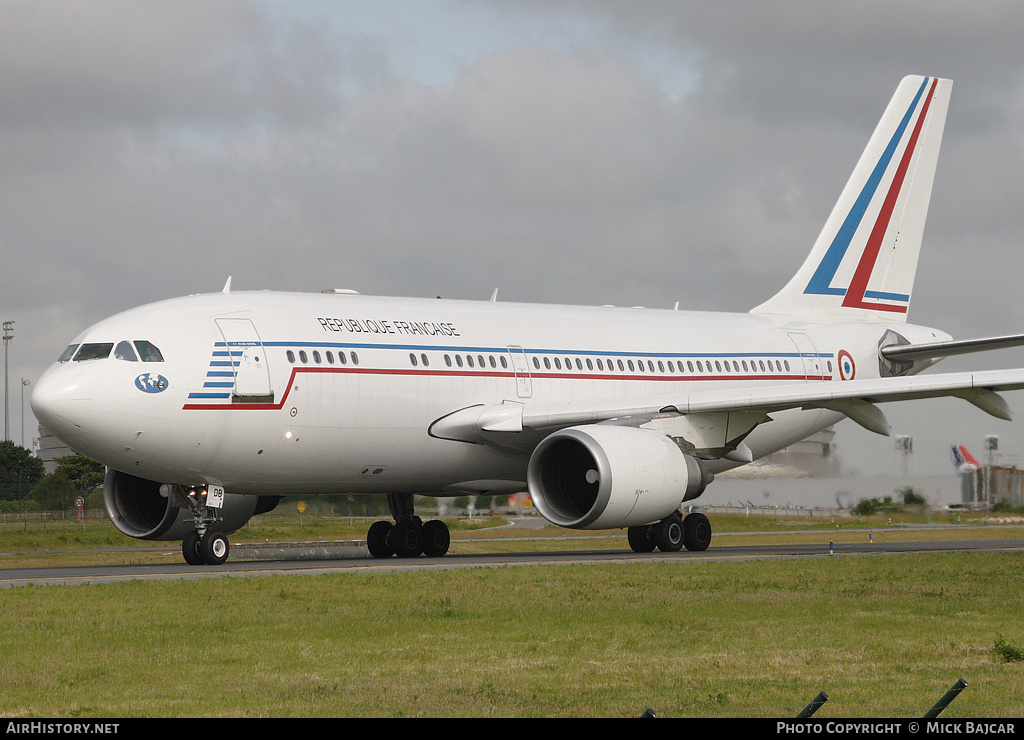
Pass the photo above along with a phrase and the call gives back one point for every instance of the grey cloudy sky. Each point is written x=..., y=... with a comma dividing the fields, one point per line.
x=595, y=152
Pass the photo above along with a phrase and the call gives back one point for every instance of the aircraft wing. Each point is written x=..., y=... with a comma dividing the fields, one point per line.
x=856, y=399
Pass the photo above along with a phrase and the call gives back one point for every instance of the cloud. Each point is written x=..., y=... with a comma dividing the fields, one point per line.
x=599, y=152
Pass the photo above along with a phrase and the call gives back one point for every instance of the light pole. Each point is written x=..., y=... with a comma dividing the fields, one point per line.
x=8, y=336
x=24, y=384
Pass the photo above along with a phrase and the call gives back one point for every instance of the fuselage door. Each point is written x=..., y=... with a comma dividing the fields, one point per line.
x=248, y=359
x=811, y=367
x=524, y=383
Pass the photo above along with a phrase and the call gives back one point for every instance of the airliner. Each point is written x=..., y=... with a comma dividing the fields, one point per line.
x=207, y=409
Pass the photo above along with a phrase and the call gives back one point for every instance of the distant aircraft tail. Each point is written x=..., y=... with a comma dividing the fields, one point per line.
x=963, y=459
x=863, y=264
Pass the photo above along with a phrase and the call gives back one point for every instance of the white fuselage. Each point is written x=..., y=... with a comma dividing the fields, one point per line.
x=278, y=393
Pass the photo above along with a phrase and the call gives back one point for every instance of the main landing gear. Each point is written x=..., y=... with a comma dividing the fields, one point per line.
x=409, y=536
x=672, y=534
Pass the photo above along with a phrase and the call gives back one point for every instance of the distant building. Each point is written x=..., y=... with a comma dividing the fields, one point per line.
x=49, y=449
x=986, y=485
x=813, y=457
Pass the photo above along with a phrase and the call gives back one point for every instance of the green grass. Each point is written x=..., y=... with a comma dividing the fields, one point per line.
x=883, y=636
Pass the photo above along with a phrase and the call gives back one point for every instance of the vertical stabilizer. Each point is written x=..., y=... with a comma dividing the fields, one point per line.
x=863, y=264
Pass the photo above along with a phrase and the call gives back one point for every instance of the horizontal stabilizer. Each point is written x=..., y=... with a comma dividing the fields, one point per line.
x=947, y=349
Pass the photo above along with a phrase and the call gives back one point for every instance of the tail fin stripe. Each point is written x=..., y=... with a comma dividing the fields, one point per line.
x=858, y=285
x=821, y=281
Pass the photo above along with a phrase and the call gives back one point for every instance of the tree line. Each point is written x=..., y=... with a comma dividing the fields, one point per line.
x=25, y=485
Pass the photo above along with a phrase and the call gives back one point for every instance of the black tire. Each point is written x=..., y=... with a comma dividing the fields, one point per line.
x=378, y=540
x=213, y=548
x=641, y=539
x=190, y=549
x=436, y=538
x=407, y=538
x=668, y=533
x=696, y=532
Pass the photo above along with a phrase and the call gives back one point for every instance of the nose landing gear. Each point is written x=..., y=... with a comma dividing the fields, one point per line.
x=210, y=548
x=203, y=545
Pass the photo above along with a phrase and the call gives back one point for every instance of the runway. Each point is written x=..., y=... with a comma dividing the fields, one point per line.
x=356, y=561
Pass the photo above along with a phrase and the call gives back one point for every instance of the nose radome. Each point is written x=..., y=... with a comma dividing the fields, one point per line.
x=60, y=401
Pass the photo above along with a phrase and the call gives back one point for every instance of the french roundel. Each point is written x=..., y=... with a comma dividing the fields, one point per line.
x=846, y=367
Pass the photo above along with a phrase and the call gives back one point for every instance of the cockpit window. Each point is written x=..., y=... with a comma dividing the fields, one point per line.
x=68, y=353
x=99, y=351
x=148, y=351
x=124, y=351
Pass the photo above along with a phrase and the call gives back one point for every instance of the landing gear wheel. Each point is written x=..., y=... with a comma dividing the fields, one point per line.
x=190, y=548
x=213, y=547
x=696, y=532
x=668, y=533
x=407, y=538
x=641, y=539
x=436, y=538
x=378, y=540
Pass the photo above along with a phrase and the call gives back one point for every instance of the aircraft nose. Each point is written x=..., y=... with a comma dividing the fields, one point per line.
x=60, y=401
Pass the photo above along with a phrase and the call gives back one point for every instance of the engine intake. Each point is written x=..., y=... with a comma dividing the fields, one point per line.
x=138, y=509
x=604, y=476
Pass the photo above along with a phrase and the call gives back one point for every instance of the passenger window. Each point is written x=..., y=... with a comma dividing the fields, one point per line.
x=99, y=351
x=291, y=356
x=148, y=351
x=426, y=362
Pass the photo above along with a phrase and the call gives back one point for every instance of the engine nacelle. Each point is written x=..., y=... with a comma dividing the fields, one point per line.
x=139, y=509
x=604, y=476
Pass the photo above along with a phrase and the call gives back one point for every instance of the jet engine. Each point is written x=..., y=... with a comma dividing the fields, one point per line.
x=143, y=509
x=605, y=476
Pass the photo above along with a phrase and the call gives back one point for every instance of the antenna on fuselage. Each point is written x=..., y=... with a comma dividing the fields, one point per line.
x=227, y=286
x=494, y=296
